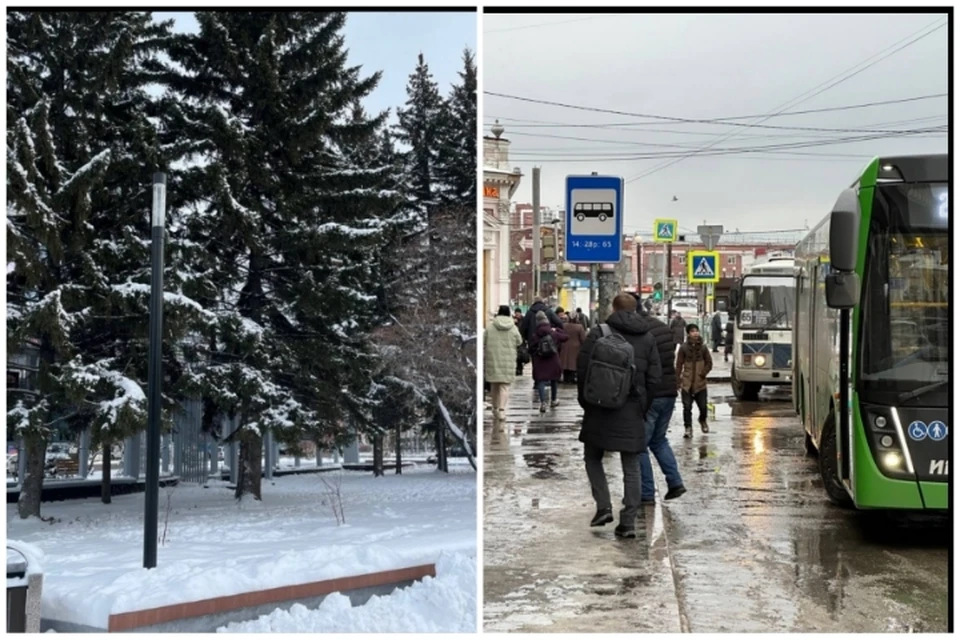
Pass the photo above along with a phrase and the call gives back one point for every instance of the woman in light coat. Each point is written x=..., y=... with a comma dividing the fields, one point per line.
x=500, y=343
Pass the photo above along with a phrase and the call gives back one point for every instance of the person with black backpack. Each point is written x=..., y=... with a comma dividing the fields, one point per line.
x=545, y=353
x=618, y=370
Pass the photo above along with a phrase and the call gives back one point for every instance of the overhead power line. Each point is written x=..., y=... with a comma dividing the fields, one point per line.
x=637, y=143
x=724, y=120
x=704, y=152
x=543, y=24
x=812, y=93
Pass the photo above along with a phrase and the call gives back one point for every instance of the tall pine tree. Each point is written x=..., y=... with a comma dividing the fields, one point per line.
x=457, y=157
x=291, y=210
x=419, y=129
x=80, y=151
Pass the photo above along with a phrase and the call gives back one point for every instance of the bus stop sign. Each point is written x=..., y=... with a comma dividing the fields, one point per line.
x=594, y=220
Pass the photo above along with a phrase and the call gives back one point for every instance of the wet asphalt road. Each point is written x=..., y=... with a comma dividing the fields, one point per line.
x=753, y=546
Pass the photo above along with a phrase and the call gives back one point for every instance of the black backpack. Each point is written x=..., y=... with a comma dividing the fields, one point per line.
x=610, y=371
x=547, y=346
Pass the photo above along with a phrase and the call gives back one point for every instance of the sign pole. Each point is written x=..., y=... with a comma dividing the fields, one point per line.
x=668, y=273
x=536, y=232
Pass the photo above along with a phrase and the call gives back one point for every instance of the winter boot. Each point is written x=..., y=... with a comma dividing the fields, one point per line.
x=704, y=427
x=554, y=404
x=687, y=431
x=625, y=531
x=675, y=492
x=543, y=407
x=602, y=517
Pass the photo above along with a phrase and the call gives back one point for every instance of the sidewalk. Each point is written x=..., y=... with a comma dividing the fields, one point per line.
x=545, y=569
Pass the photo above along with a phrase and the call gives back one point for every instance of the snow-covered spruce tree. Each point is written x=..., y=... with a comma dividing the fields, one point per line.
x=292, y=219
x=80, y=152
x=420, y=126
x=457, y=158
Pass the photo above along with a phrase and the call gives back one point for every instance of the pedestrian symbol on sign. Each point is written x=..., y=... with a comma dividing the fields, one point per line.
x=917, y=430
x=937, y=430
x=665, y=230
x=704, y=269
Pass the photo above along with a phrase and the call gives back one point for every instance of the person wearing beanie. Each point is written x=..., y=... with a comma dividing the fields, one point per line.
x=500, y=343
x=545, y=353
x=693, y=364
x=529, y=325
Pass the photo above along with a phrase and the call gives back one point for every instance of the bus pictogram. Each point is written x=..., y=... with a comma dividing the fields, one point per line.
x=599, y=210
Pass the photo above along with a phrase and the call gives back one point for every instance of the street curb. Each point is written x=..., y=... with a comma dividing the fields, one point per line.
x=674, y=573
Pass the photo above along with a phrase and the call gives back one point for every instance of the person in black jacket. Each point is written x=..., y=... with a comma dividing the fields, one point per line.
x=716, y=331
x=528, y=328
x=621, y=429
x=728, y=341
x=658, y=419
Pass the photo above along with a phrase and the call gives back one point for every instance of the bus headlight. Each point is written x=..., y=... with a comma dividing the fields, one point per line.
x=892, y=460
x=886, y=441
x=760, y=361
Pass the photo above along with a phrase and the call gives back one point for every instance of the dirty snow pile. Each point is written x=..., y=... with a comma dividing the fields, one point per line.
x=445, y=604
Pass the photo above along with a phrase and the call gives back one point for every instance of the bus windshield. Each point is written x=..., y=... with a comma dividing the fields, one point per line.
x=906, y=292
x=767, y=302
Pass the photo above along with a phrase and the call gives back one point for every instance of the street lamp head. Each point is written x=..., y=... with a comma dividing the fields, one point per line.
x=159, y=199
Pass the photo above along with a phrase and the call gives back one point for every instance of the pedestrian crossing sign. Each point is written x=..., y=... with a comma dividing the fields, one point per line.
x=664, y=230
x=702, y=267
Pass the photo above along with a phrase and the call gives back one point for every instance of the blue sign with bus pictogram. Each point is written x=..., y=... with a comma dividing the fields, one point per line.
x=594, y=220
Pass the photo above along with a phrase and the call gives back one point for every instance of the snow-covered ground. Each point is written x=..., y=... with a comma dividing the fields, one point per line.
x=447, y=603
x=215, y=546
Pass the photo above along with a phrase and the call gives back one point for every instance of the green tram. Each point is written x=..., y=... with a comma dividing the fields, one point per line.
x=871, y=338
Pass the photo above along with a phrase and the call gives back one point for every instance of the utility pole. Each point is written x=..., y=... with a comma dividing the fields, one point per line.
x=154, y=377
x=668, y=272
x=536, y=232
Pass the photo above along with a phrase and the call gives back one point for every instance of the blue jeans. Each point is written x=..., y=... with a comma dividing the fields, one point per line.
x=658, y=419
x=542, y=389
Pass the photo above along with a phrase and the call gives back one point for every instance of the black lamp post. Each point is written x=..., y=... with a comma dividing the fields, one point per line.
x=154, y=376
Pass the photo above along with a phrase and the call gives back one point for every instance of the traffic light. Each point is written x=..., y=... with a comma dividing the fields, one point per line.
x=548, y=244
x=658, y=292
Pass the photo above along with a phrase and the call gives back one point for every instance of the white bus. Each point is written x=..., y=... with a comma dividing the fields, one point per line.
x=763, y=305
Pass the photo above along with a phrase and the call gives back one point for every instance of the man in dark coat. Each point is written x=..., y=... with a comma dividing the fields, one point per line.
x=728, y=340
x=678, y=325
x=658, y=419
x=716, y=331
x=529, y=325
x=621, y=429
x=693, y=365
x=521, y=360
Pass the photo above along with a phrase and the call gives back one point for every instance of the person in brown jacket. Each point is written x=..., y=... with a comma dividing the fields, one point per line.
x=693, y=364
x=571, y=348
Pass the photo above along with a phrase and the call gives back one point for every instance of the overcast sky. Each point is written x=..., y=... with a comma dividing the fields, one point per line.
x=711, y=66
x=390, y=42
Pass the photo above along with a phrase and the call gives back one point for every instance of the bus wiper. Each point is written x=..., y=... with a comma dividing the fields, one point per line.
x=916, y=393
x=773, y=321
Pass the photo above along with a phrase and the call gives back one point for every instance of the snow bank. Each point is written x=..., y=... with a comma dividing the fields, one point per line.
x=445, y=604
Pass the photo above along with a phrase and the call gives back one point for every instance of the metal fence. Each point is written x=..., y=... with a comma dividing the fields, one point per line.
x=194, y=452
